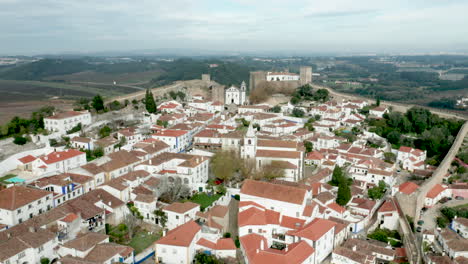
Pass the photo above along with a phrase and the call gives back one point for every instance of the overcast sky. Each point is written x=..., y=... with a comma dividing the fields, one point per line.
x=55, y=26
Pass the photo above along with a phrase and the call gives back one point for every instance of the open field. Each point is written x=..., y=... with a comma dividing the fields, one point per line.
x=100, y=77
x=21, y=98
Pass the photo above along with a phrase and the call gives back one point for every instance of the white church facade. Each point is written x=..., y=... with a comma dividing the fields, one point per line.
x=234, y=95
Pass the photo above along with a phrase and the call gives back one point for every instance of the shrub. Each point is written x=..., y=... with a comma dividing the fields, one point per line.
x=19, y=140
x=237, y=197
x=227, y=235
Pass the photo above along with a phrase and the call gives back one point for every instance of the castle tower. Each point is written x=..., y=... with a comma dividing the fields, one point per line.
x=242, y=93
x=250, y=144
x=305, y=75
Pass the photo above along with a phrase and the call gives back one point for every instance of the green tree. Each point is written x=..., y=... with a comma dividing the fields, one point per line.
x=394, y=137
x=45, y=261
x=105, y=131
x=308, y=146
x=344, y=194
x=297, y=112
x=337, y=176
x=276, y=109
x=150, y=104
x=19, y=140
x=161, y=215
x=389, y=157
x=203, y=258
x=224, y=164
x=98, y=103
x=377, y=102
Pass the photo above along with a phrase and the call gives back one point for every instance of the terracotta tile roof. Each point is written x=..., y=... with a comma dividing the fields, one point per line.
x=13, y=246
x=58, y=156
x=145, y=198
x=315, y=229
x=170, y=133
x=182, y=235
x=69, y=218
x=247, y=203
x=388, y=206
x=257, y=217
x=408, y=187
x=18, y=196
x=278, y=154
x=325, y=197
x=105, y=142
x=274, y=191
x=296, y=253
x=106, y=251
x=181, y=208
x=291, y=222
x=27, y=159
x=276, y=143
x=81, y=139
x=336, y=207
x=436, y=190
x=67, y=114
x=221, y=244
x=207, y=133
x=86, y=241
x=219, y=211
x=357, y=256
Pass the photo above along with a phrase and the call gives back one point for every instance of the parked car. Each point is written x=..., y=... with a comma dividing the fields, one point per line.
x=418, y=229
x=459, y=198
x=421, y=222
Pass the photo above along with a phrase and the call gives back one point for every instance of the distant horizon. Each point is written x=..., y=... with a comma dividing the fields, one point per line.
x=242, y=26
x=220, y=53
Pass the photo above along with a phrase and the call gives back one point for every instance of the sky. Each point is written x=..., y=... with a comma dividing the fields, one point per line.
x=30, y=27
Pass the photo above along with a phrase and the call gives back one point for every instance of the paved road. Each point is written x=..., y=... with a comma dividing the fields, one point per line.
x=429, y=217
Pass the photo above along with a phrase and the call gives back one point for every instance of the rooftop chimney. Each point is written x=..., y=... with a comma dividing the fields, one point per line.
x=32, y=229
x=262, y=246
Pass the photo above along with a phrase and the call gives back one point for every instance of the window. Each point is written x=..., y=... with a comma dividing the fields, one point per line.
x=47, y=198
x=41, y=248
x=19, y=211
x=21, y=255
x=30, y=215
x=30, y=206
x=176, y=217
x=250, y=230
x=39, y=202
x=174, y=251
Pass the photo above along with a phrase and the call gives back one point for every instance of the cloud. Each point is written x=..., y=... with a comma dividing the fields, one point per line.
x=31, y=26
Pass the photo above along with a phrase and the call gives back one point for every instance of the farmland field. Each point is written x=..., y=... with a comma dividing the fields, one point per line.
x=23, y=97
x=99, y=77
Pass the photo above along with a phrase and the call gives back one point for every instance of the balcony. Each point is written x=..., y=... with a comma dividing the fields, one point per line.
x=281, y=237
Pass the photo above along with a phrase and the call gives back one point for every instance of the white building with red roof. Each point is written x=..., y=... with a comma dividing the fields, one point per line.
x=178, y=140
x=234, y=95
x=378, y=111
x=178, y=245
x=180, y=213
x=62, y=122
x=435, y=194
x=18, y=204
x=410, y=158
x=170, y=107
x=407, y=188
x=222, y=248
x=388, y=215
x=54, y=162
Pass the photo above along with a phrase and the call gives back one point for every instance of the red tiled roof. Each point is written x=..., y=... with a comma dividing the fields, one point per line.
x=69, y=218
x=170, y=133
x=181, y=207
x=273, y=191
x=408, y=187
x=65, y=115
x=57, y=156
x=27, y=159
x=336, y=207
x=17, y=196
x=182, y=235
x=436, y=190
x=388, y=206
x=278, y=154
x=315, y=229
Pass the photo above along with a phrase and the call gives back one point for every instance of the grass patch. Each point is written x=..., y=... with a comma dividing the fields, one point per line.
x=142, y=240
x=462, y=206
x=204, y=200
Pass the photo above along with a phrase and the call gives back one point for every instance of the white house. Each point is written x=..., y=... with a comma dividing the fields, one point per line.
x=388, y=216
x=178, y=245
x=435, y=194
x=287, y=200
x=146, y=205
x=29, y=247
x=82, y=143
x=410, y=158
x=18, y=204
x=54, y=162
x=62, y=122
x=460, y=225
x=378, y=111
x=178, y=140
x=180, y=213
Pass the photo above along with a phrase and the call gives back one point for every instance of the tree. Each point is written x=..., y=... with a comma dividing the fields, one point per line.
x=19, y=140
x=247, y=168
x=276, y=109
x=337, y=176
x=150, y=104
x=297, y=112
x=98, y=103
x=224, y=164
x=161, y=215
x=308, y=146
x=377, y=192
x=45, y=261
x=344, y=194
x=105, y=131
x=173, y=189
x=131, y=222
x=271, y=171
x=203, y=258
x=394, y=137
x=115, y=105
x=377, y=103
x=389, y=157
